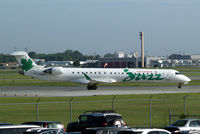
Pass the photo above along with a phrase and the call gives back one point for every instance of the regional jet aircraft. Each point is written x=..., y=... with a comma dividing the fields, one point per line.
x=94, y=76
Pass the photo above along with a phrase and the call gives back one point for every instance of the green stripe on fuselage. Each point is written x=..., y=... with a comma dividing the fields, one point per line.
x=86, y=76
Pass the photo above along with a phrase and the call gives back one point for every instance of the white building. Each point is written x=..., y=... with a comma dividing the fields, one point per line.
x=119, y=54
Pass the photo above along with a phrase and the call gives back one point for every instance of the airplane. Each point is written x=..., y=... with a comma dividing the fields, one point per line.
x=94, y=76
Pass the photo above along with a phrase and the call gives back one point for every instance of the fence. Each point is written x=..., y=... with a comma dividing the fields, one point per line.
x=136, y=112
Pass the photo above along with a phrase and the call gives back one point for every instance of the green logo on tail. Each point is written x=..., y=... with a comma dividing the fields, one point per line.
x=26, y=65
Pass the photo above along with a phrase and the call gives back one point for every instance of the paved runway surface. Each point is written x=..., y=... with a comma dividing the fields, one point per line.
x=194, y=77
x=53, y=91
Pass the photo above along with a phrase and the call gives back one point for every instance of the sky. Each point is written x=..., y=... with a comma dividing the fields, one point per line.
x=100, y=26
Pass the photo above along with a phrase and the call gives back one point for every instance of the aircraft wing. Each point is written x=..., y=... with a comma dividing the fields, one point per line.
x=81, y=81
x=90, y=80
x=104, y=80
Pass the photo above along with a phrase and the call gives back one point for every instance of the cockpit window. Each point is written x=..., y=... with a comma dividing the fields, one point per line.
x=177, y=73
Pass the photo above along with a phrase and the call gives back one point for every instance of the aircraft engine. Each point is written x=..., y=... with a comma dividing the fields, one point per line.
x=54, y=70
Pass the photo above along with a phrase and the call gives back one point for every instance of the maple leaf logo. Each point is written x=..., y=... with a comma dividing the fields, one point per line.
x=26, y=65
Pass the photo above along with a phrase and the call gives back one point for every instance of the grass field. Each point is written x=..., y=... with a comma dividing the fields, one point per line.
x=35, y=82
x=133, y=108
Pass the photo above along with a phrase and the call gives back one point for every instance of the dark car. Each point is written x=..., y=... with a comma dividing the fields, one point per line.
x=47, y=124
x=103, y=118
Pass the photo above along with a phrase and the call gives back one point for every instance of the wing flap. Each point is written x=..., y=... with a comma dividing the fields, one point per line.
x=105, y=80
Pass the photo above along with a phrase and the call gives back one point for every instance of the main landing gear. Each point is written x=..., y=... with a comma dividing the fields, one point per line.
x=92, y=86
x=180, y=85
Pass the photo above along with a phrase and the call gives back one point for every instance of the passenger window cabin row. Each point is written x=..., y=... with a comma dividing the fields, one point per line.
x=106, y=73
x=97, y=72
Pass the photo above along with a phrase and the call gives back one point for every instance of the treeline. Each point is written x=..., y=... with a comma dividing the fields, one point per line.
x=7, y=58
x=68, y=55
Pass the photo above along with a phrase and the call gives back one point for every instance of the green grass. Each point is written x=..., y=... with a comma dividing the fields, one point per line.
x=188, y=70
x=49, y=83
x=192, y=74
x=8, y=71
x=14, y=76
x=133, y=108
x=36, y=82
x=182, y=67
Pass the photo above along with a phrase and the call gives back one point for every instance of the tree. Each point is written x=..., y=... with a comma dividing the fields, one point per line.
x=7, y=58
x=97, y=57
x=109, y=55
x=32, y=54
x=76, y=63
x=68, y=55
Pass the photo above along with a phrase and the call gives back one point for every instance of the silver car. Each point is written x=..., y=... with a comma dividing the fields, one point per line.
x=185, y=126
x=144, y=131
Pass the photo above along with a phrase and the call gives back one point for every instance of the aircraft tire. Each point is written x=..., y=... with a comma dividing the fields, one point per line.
x=92, y=87
x=89, y=87
x=179, y=85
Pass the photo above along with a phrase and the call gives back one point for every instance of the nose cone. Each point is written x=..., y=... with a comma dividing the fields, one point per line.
x=186, y=79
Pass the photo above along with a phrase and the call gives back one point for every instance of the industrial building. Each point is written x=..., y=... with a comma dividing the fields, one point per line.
x=174, y=60
x=120, y=60
x=117, y=62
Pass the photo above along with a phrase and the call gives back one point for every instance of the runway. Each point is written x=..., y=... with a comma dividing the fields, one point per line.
x=194, y=77
x=67, y=91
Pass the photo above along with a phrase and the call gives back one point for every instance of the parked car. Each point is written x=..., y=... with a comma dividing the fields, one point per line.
x=47, y=124
x=100, y=118
x=16, y=129
x=144, y=131
x=104, y=130
x=44, y=131
x=115, y=130
x=5, y=124
x=184, y=126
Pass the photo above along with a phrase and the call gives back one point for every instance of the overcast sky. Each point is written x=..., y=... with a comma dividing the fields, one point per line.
x=100, y=26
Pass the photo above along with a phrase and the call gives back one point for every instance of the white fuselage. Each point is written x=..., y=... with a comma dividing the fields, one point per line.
x=109, y=75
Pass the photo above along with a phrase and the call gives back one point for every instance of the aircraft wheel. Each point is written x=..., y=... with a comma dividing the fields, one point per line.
x=89, y=87
x=179, y=85
x=92, y=87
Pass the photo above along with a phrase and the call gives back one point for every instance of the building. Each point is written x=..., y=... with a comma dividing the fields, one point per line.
x=156, y=61
x=179, y=56
x=117, y=62
x=195, y=56
x=57, y=63
x=119, y=54
x=90, y=64
x=9, y=65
